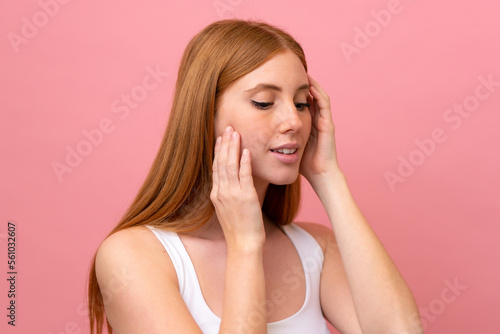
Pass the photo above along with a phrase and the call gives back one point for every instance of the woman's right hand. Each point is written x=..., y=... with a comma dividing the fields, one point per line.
x=234, y=195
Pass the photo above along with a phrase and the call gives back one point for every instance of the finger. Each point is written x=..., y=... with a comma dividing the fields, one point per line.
x=316, y=85
x=215, y=172
x=319, y=94
x=313, y=109
x=313, y=91
x=246, y=179
x=222, y=158
x=233, y=157
x=322, y=107
x=323, y=101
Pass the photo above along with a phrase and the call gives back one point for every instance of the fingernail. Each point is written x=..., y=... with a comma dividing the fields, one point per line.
x=217, y=142
x=234, y=135
x=228, y=129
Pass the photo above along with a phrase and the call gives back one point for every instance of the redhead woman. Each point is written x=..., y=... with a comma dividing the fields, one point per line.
x=210, y=245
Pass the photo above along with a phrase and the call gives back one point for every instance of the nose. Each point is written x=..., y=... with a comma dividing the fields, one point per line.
x=290, y=119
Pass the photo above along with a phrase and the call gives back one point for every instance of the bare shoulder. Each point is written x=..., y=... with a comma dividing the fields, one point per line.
x=139, y=285
x=131, y=257
x=131, y=248
x=323, y=234
x=136, y=239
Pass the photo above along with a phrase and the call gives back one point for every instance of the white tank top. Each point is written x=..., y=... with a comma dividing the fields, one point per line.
x=309, y=319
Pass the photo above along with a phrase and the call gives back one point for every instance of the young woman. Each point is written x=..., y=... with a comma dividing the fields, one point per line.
x=208, y=245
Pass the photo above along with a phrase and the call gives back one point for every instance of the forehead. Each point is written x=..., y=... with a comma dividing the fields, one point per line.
x=283, y=70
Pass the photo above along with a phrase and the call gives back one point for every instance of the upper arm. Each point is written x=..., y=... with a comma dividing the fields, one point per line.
x=139, y=285
x=335, y=293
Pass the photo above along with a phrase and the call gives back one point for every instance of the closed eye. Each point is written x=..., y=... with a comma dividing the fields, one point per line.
x=302, y=106
x=262, y=105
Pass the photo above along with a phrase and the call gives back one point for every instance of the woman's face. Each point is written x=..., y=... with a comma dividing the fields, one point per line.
x=268, y=108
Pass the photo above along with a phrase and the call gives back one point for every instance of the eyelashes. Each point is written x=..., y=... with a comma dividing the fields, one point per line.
x=267, y=105
x=262, y=105
x=302, y=106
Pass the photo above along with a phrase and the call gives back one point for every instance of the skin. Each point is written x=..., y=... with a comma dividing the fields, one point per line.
x=361, y=288
x=261, y=128
x=240, y=183
x=366, y=293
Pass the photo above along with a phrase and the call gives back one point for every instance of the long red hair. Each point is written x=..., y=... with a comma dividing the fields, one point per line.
x=176, y=192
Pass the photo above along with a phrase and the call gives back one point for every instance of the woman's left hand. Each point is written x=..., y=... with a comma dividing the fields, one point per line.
x=320, y=155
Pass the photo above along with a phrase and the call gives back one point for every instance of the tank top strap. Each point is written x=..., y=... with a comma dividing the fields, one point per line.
x=189, y=286
x=309, y=319
x=310, y=252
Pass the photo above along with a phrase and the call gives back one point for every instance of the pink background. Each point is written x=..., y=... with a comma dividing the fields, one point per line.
x=441, y=225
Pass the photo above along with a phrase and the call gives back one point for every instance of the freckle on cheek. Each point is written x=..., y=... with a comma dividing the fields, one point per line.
x=251, y=137
x=262, y=137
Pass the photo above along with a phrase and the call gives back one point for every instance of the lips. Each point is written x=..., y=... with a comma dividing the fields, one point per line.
x=285, y=150
x=286, y=153
x=287, y=145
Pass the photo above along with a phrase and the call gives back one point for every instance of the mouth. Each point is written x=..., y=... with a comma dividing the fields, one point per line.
x=286, y=151
x=287, y=154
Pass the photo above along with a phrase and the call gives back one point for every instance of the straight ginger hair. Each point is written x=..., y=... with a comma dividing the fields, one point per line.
x=176, y=192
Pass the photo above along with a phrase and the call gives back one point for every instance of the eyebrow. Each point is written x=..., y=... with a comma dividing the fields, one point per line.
x=274, y=87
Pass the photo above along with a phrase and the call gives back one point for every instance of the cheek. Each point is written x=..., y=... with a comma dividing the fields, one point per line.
x=220, y=125
x=306, y=124
x=256, y=139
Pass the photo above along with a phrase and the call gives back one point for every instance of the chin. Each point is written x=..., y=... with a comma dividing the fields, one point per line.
x=283, y=180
